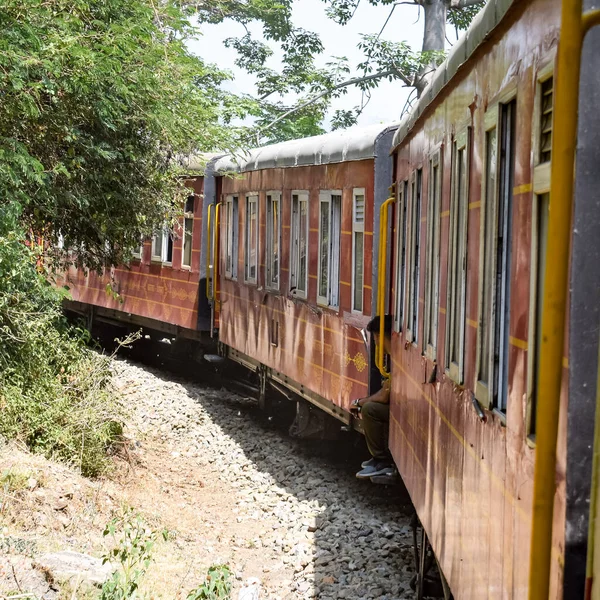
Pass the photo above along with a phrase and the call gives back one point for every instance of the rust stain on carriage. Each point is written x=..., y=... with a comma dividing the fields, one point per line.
x=472, y=482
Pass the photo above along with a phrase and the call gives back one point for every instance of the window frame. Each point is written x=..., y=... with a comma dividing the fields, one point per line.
x=334, y=246
x=413, y=264
x=163, y=257
x=401, y=253
x=432, y=256
x=488, y=218
x=272, y=197
x=231, y=233
x=188, y=217
x=358, y=227
x=295, y=218
x=457, y=255
x=251, y=198
x=137, y=252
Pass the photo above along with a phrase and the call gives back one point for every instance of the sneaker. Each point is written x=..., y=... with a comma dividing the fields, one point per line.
x=372, y=471
x=368, y=463
x=388, y=477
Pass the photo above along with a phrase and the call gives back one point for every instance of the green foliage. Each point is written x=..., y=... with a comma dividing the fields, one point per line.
x=55, y=393
x=216, y=587
x=131, y=551
x=99, y=98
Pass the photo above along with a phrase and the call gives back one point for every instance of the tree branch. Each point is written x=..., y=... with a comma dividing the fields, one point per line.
x=353, y=81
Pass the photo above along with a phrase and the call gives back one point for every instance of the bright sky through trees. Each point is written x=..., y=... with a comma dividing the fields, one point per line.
x=386, y=101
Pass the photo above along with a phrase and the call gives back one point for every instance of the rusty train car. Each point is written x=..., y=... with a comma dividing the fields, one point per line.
x=297, y=249
x=443, y=221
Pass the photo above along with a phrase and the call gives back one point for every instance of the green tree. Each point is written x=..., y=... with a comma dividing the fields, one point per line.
x=277, y=119
x=99, y=98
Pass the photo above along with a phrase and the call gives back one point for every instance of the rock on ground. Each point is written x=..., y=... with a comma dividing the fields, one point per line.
x=238, y=490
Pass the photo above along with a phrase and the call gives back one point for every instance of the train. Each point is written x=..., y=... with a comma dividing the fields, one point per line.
x=445, y=222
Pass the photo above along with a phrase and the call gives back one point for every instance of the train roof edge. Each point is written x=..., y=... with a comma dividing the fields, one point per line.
x=356, y=143
x=484, y=23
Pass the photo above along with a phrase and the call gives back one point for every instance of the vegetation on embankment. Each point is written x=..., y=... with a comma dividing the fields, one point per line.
x=55, y=393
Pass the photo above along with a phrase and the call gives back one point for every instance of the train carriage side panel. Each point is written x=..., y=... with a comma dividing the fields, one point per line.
x=316, y=346
x=472, y=482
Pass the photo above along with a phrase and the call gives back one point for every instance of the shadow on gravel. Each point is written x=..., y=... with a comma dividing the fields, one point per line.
x=344, y=538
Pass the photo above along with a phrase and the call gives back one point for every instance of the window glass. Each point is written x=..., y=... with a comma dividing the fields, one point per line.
x=251, y=238
x=273, y=240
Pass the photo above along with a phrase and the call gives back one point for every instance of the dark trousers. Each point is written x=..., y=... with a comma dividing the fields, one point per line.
x=376, y=424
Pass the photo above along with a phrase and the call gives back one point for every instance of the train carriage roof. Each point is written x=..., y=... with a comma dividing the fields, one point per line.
x=355, y=143
x=482, y=25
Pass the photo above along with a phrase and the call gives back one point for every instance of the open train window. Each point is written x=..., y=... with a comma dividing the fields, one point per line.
x=231, y=245
x=486, y=257
x=414, y=258
x=457, y=259
x=358, y=248
x=162, y=247
x=432, y=261
x=401, y=228
x=251, y=242
x=493, y=332
x=299, y=245
x=188, y=227
x=330, y=221
x=273, y=241
x=136, y=253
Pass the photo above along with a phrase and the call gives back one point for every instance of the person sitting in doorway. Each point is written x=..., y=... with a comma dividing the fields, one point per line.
x=374, y=412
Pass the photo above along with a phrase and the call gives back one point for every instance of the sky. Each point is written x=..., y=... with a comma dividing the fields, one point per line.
x=387, y=101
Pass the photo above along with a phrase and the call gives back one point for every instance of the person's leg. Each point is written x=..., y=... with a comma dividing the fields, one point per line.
x=376, y=423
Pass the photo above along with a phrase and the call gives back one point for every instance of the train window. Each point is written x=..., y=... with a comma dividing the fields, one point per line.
x=358, y=248
x=136, y=252
x=251, y=258
x=330, y=220
x=432, y=265
x=162, y=247
x=231, y=246
x=457, y=259
x=486, y=268
x=493, y=334
x=273, y=239
x=414, y=260
x=503, y=255
x=401, y=225
x=188, y=226
x=299, y=245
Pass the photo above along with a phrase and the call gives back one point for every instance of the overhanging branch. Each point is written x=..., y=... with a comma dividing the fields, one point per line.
x=353, y=81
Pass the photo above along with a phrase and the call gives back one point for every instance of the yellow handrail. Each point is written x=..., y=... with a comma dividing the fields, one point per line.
x=216, y=252
x=208, y=253
x=564, y=138
x=381, y=281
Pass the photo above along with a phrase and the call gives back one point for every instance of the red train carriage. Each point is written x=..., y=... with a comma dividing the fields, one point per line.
x=160, y=288
x=472, y=176
x=297, y=266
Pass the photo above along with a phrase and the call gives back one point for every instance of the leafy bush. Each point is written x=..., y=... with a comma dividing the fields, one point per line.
x=55, y=393
x=133, y=542
x=216, y=587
